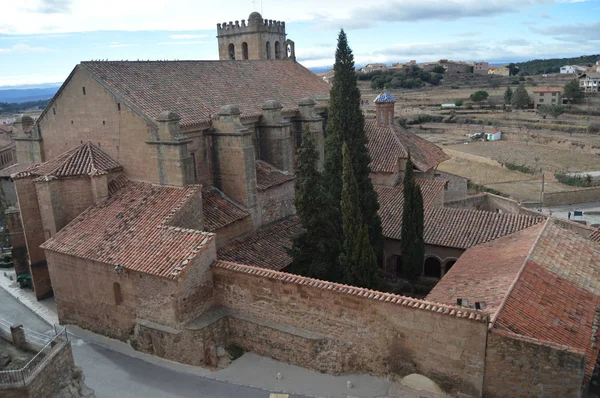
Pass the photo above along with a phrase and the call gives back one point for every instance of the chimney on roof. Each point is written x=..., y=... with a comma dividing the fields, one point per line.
x=384, y=109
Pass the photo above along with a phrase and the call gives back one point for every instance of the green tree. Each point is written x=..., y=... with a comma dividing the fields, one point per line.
x=513, y=70
x=357, y=258
x=438, y=69
x=520, y=98
x=345, y=124
x=544, y=110
x=412, y=245
x=479, y=96
x=311, y=249
x=508, y=95
x=556, y=110
x=573, y=91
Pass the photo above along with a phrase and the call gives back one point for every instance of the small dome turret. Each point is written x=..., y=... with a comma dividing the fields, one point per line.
x=255, y=18
x=384, y=97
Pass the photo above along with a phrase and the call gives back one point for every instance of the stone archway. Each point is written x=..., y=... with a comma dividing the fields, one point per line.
x=290, y=49
x=231, y=51
x=432, y=267
x=448, y=265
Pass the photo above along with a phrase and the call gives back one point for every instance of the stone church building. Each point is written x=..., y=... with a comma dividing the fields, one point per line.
x=156, y=201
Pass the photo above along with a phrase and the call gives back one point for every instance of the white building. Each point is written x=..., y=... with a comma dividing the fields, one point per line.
x=495, y=135
x=589, y=82
x=572, y=69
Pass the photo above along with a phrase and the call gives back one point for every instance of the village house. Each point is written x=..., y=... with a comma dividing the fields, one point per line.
x=499, y=70
x=589, y=82
x=546, y=96
x=573, y=69
x=481, y=68
x=373, y=67
x=157, y=205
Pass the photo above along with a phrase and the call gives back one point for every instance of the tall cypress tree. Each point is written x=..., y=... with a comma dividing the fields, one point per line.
x=412, y=244
x=345, y=124
x=358, y=259
x=311, y=249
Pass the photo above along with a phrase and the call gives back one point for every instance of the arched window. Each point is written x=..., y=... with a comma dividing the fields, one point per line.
x=433, y=267
x=244, y=50
x=231, y=50
x=117, y=293
x=277, y=50
x=268, y=50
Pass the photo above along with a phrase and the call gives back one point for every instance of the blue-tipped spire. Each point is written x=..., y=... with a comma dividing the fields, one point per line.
x=384, y=97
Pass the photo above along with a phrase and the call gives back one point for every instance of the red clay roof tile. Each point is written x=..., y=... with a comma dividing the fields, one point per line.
x=196, y=90
x=268, y=176
x=556, y=298
x=219, y=210
x=85, y=159
x=131, y=229
x=387, y=144
x=266, y=248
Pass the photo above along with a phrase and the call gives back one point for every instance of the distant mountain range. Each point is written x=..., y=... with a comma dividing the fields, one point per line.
x=19, y=95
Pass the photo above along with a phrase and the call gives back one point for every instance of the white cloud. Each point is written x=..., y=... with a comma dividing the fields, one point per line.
x=116, y=44
x=23, y=48
x=19, y=80
x=58, y=16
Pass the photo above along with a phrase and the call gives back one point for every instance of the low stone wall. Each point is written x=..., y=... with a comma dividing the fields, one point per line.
x=48, y=377
x=584, y=195
x=361, y=331
x=516, y=366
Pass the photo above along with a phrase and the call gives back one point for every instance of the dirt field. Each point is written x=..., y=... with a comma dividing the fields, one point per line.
x=519, y=186
x=533, y=155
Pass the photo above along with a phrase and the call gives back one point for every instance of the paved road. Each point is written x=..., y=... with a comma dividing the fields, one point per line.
x=111, y=374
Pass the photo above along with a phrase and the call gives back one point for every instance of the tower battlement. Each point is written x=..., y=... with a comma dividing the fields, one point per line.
x=256, y=38
x=240, y=27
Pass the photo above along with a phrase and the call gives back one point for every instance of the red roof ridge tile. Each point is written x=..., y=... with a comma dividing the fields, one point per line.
x=458, y=312
x=521, y=270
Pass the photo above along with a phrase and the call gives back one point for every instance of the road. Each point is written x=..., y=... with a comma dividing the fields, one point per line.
x=111, y=374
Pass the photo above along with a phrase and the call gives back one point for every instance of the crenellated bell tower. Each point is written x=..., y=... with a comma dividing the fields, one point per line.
x=258, y=39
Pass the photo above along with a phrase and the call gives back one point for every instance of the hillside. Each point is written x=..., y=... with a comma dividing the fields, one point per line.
x=29, y=94
x=541, y=66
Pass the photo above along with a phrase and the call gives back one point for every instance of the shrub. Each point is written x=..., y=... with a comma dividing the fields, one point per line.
x=459, y=102
x=234, y=351
x=594, y=128
x=521, y=168
x=455, y=87
x=577, y=180
x=469, y=106
x=476, y=187
x=425, y=118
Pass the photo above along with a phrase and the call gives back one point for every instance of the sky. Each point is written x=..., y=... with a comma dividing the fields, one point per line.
x=41, y=41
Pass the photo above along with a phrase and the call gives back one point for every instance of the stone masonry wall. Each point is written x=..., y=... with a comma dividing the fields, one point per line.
x=75, y=118
x=57, y=368
x=234, y=230
x=371, y=333
x=572, y=197
x=276, y=202
x=520, y=367
x=457, y=185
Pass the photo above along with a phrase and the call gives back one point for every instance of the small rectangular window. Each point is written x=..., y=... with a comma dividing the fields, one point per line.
x=104, y=122
x=83, y=90
x=54, y=111
x=119, y=106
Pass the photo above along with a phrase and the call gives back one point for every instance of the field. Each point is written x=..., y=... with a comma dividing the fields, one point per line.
x=546, y=145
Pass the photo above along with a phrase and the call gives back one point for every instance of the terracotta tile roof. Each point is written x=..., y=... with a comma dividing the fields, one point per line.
x=196, y=90
x=462, y=228
x=85, y=159
x=384, y=147
x=219, y=210
x=595, y=236
x=548, y=90
x=132, y=229
x=445, y=226
x=116, y=183
x=268, y=176
x=392, y=299
x=556, y=298
x=387, y=144
x=266, y=248
x=486, y=272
